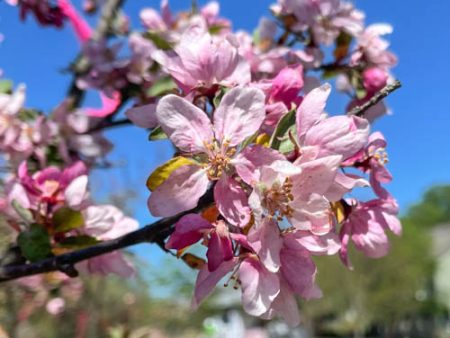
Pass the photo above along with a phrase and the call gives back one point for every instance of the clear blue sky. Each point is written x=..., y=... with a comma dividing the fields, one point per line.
x=418, y=133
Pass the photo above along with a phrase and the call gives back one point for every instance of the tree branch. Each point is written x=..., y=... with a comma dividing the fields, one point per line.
x=388, y=89
x=153, y=233
x=105, y=124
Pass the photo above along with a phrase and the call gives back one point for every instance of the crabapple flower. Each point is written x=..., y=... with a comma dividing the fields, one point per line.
x=44, y=11
x=106, y=222
x=201, y=60
x=372, y=48
x=192, y=227
x=366, y=226
x=239, y=115
x=297, y=193
x=319, y=135
x=325, y=18
x=374, y=79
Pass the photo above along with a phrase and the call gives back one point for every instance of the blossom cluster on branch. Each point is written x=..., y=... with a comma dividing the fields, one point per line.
x=246, y=115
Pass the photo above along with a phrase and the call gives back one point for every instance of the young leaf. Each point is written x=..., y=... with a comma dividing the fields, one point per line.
x=66, y=219
x=158, y=40
x=78, y=242
x=162, y=86
x=280, y=137
x=34, y=243
x=157, y=134
x=163, y=172
x=6, y=86
x=25, y=214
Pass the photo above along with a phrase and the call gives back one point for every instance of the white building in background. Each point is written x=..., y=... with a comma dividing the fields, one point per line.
x=441, y=251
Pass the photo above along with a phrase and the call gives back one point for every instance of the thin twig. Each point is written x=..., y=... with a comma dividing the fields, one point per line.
x=109, y=124
x=388, y=89
x=153, y=233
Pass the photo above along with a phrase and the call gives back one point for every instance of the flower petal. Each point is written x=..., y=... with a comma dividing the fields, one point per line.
x=239, y=115
x=206, y=280
x=188, y=230
x=143, y=116
x=259, y=286
x=253, y=157
x=76, y=192
x=232, y=201
x=186, y=125
x=311, y=109
x=339, y=135
x=267, y=242
x=180, y=192
x=300, y=272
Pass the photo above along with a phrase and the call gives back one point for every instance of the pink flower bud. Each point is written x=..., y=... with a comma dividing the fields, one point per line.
x=374, y=79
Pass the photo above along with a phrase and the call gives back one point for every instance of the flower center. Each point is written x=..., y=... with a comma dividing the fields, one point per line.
x=277, y=198
x=219, y=156
x=380, y=155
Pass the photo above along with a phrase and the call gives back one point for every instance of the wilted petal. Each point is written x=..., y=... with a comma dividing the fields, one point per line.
x=180, y=192
x=239, y=115
x=187, y=126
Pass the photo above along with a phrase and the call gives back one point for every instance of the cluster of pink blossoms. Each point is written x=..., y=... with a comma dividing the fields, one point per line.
x=280, y=192
x=246, y=114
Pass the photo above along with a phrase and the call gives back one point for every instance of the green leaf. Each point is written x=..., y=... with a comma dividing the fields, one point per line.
x=25, y=214
x=163, y=172
x=216, y=29
x=158, y=40
x=280, y=138
x=66, y=219
x=34, y=243
x=162, y=86
x=157, y=134
x=78, y=242
x=6, y=86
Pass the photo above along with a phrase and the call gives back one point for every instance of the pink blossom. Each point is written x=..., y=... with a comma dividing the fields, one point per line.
x=200, y=60
x=55, y=306
x=106, y=222
x=324, y=136
x=325, y=18
x=192, y=227
x=45, y=13
x=296, y=192
x=374, y=79
x=372, y=48
x=366, y=227
x=238, y=116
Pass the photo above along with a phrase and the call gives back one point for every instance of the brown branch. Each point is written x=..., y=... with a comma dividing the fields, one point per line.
x=388, y=89
x=153, y=233
x=110, y=124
